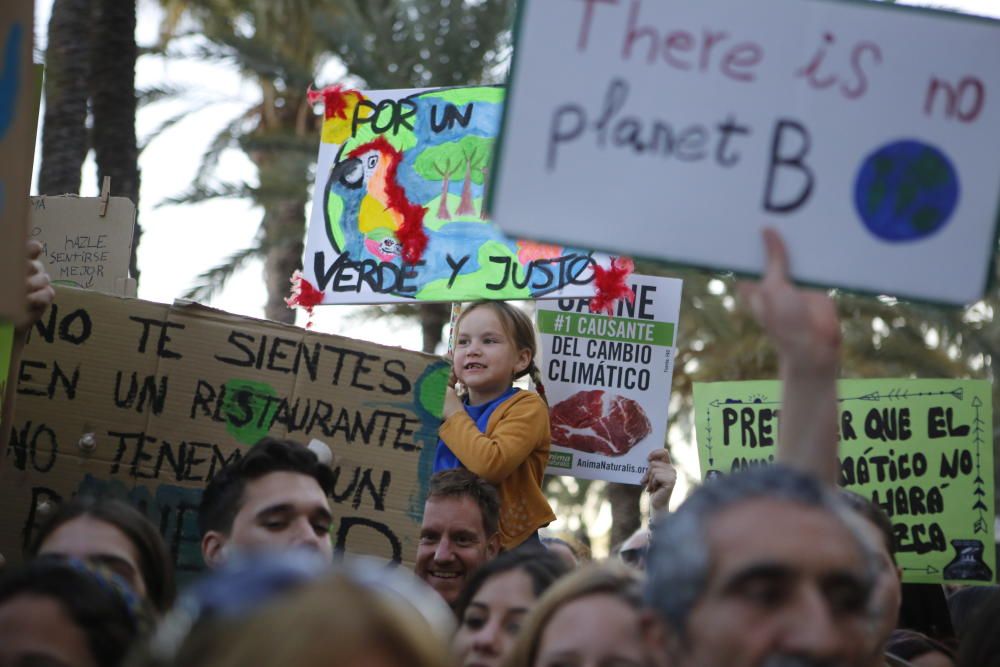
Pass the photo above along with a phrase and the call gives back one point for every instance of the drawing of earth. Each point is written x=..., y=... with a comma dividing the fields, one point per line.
x=906, y=191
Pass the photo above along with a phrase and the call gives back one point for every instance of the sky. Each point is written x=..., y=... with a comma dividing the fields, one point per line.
x=178, y=243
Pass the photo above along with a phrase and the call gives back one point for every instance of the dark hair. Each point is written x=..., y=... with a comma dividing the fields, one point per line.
x=873, y=513
x=99, y=605
x=542, y=568
x=980, y=645
x=909, y=644
x=460, y=483
x=678, y=565
x=155, y=564
x=965, y=602
x=224, y=494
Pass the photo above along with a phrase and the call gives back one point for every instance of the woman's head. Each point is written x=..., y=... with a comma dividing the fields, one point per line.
x=345, y=618
x=62, y=612
x=494, y=343
x=115, y=535
x=496, y=600
x=592, y=616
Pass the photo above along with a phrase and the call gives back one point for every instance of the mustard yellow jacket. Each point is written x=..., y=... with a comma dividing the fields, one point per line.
x=512, y=455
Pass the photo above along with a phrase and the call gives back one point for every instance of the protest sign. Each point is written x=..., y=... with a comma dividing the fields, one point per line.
x=6, y=351
x=677, y=129
x=920, y=449
x=400, y=162
x=607, y=380
x=80, y=246
x=18, y=117
x=148, y=401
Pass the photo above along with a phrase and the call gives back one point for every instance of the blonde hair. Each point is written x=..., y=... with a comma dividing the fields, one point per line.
x=330, y=623
x=521, y=331
x=608, y=578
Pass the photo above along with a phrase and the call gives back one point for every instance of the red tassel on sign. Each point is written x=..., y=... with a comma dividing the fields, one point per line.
x=610, y=284
x=304, y=295
x=334, y=98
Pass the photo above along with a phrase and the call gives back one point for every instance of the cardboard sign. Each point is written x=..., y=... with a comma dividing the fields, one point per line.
x=81, y=247
x=18, y=117
x=607, y=380
x=422, y=157
x=6, y=350
x=921, y=449
x=865, y=132
x=147, y=401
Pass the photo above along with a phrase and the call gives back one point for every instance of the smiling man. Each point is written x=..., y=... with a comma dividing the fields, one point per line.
x=459, y=532
x=274, y=498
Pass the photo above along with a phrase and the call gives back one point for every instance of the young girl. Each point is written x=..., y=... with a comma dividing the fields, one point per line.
x=499, y=432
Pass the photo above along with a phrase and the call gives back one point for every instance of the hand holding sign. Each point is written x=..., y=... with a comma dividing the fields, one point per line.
x=38, y=284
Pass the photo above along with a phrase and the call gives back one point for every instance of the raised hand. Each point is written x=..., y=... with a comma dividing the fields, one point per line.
x=802, y=324
x=659, y=480
x=805, y=330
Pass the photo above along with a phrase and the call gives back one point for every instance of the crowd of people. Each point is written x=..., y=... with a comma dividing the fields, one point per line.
x=774, y=567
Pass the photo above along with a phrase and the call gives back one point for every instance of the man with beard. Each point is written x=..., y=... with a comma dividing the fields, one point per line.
x=459, y=531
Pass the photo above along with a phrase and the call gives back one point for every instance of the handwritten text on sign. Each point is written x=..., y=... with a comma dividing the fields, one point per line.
x=865, y=133
x=420, y=159
x=921, y=449
x=169, y=395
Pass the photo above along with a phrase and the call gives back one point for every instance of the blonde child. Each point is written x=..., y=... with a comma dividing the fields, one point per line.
x=499, y=432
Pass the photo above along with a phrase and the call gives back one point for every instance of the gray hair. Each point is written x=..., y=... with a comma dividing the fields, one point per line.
x=679, y=559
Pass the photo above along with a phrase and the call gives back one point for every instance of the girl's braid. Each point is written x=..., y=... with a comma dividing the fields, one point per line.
x=536, y=378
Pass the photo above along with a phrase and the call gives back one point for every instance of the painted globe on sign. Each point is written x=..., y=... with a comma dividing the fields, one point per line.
x=906, y=191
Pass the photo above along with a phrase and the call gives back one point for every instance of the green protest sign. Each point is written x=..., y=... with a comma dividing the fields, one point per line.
x=921, y=449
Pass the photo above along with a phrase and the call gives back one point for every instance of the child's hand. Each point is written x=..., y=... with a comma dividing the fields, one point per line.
x=452, y=403
x=40, y=292
x=802, y=325
x=660, y=478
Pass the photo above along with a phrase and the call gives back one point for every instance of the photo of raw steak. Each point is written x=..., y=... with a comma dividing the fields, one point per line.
x=590, y=421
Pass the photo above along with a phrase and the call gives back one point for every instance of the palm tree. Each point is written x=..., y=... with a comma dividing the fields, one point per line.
x=91, y=57
x=67, y=73
x=113, y=103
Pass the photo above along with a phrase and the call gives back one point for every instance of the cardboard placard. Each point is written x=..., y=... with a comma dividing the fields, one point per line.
x=421, y=157
x=865, y=132
x=921, y=449
x=18, y=118
x=607, y=380
x=6, y=351
x=81, y=247
x=169, y=394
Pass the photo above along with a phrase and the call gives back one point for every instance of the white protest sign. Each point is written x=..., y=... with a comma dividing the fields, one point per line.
x=398, y=163
x=607, y=380
x=81, y=247
x=677, y=129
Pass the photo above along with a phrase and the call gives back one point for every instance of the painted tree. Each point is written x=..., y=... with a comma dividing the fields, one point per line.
x=476, y=153
x=441, y=163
